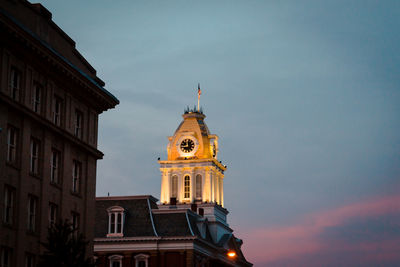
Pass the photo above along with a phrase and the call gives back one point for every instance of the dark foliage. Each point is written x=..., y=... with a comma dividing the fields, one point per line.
x=65, y=247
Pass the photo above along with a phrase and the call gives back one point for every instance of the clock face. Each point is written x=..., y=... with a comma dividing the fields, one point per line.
x=187, y=145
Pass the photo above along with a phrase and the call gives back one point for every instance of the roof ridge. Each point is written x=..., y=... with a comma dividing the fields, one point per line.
x=151, y=217
x=190, y=226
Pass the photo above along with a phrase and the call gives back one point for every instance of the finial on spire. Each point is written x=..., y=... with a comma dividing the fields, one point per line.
x=198, y=97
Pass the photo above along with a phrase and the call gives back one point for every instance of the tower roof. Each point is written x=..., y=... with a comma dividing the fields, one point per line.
x=194, y=128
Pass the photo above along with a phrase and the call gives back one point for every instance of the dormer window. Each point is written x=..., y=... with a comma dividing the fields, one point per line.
x=116, y=217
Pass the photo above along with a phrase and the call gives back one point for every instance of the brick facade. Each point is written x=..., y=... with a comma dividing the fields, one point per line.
x=47, y=156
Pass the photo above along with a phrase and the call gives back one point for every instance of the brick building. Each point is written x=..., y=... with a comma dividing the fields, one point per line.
x=189, y=226
x=50, y=100
x=132, y=231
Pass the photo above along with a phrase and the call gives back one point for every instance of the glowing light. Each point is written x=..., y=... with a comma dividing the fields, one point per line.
x=231, y=254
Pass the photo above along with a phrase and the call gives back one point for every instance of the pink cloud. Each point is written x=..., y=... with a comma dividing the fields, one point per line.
x=272, y=244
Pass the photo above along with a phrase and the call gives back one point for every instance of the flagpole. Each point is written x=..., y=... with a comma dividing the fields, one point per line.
x=198, y=97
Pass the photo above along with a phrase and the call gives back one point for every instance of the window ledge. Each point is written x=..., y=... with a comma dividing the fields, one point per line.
x=13, y=165
x=36, y=175
x=9, y=225
x=115, y=235
x=57, y=185
x=77, y=194
x=32, y=232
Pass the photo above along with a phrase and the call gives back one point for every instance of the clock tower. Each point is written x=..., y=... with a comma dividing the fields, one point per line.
x=192, y=173
x=192, y=177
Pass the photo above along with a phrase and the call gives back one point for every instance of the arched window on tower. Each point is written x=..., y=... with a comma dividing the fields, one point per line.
x=187, y=186
x=174, y=186
x=198, y=187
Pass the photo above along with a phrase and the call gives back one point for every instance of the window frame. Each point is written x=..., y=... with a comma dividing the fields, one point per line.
x=9, y=204
x=15, y=83
x=75, y=220
x=9, y=254
x=116, y=229
x=32, y=213
x=55, y=166
x=174, y=186
x=76, y=176
x=186, y=187
x=199, y=184
x=141, y=257
x=78, y=124
x=34, y=156
x=53, y=213
x=57, y=110
x=29, y=260
x=115, y=259
x=12, y=143
x=37, y=93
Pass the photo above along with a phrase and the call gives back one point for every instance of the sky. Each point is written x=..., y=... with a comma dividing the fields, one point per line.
x=304, y=96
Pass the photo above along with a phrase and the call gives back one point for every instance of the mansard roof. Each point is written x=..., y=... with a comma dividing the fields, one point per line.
x=138, y=221
x=144, y=221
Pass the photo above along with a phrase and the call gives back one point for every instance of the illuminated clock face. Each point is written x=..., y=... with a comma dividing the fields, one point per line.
x=187, y=145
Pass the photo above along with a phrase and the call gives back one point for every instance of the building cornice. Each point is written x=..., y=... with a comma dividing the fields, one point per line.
x=49, y=125
x=150, y=197
x=48, y=53
x=167, y=164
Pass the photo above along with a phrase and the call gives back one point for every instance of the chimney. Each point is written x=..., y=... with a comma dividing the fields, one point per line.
x=201, y=212
x=194, y=207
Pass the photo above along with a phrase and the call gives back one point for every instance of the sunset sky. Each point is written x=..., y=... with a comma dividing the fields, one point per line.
x=304, y=96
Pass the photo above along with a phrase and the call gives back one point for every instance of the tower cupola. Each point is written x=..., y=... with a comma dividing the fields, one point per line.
x=192, y=173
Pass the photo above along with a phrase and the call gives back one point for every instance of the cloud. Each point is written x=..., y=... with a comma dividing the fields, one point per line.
x=366, y=233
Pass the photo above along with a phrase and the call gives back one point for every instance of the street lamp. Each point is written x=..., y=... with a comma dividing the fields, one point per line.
x=231, y=254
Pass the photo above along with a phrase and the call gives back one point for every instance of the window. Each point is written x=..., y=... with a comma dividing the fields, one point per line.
x=29, y=260
x=32, y=207
x=34, y=156
x=76, y=175
x=78, y=123
x=115, y=260
x=9, y=198
x=15, y=83
x=53, y=210
x=6, y=257
x=141, y=260
x=174, y=186
x=198, y=187
x=187, y=186
x=55, y=166
x=11, y=144
x=57, y=109
x=36, y=98
x=116, y=216
x=75, y=220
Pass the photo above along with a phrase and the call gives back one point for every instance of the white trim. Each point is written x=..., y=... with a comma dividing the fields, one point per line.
x=117, y=247
x=142, y=257
x=190, y=227
x=151, y=218
x=117, y=211
x=115, y=258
